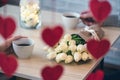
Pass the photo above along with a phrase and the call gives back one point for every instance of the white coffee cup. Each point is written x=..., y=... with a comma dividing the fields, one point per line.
x=23, y=47
x=70, y=20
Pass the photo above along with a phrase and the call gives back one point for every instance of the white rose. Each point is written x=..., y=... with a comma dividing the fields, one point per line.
x=72, y=48
x=69, y=59
x=63, y=41
x=64, y=47
x=50, y=50
x=90, y=56
x=72, y=42
x=67, y=37
x=51, y=55
x=46, y=48
x=61, y=57
x=85, y=56
x=58, y=49
x=81, y=48
x=77, y=56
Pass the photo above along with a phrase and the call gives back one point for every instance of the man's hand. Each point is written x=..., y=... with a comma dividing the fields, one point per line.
x=87, y=18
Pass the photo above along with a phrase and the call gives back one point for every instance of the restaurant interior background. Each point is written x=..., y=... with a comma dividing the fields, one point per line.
x=112, y=59
x=78, y=6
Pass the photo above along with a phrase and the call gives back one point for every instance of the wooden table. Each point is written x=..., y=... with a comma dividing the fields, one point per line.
x=31, y=68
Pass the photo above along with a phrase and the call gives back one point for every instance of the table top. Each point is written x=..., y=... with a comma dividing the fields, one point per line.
x=31, y=68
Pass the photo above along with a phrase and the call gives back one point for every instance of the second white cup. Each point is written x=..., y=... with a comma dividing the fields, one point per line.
x=70, y=20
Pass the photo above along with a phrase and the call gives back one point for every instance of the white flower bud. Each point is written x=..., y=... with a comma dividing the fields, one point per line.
x=51, y=55
x=69, y=59
x=72, y=48
x=77, y=56
x=61, y=57
x=84, y=56
x=81, y=48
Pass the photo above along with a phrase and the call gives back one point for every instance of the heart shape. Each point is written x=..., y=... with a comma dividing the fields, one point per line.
x=4, y=1
x=98, y=75
x=52, y=35
x=52, y=73
x=98, y=48
x=8, y=64
x=7, y=26
x=100, y=9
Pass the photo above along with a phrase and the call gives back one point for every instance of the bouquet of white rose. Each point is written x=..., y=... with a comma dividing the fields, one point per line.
x=70, y=48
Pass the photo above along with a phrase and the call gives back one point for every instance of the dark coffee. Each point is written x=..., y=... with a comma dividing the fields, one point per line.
x=70, y=16
x=23, y=44
x=89, y=19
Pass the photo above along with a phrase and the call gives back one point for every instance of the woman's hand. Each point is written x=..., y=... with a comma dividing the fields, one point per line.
x=8, y=42
x=87, y=18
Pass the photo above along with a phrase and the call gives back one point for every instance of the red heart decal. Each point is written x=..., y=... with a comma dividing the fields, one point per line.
x=8, y=64
x=98, y=75
x=52, y=73
x=98, y=48
x=52, y=36
x=4, y=1
x=7, y=26
x=100, y=9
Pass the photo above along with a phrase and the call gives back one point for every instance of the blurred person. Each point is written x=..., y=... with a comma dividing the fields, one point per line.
x=88, y=19
x=92, y=28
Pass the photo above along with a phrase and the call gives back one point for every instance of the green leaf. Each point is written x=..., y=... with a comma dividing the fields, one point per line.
x=59, y=52
x=78, y=39
x=69, y=52
x=67, y=43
